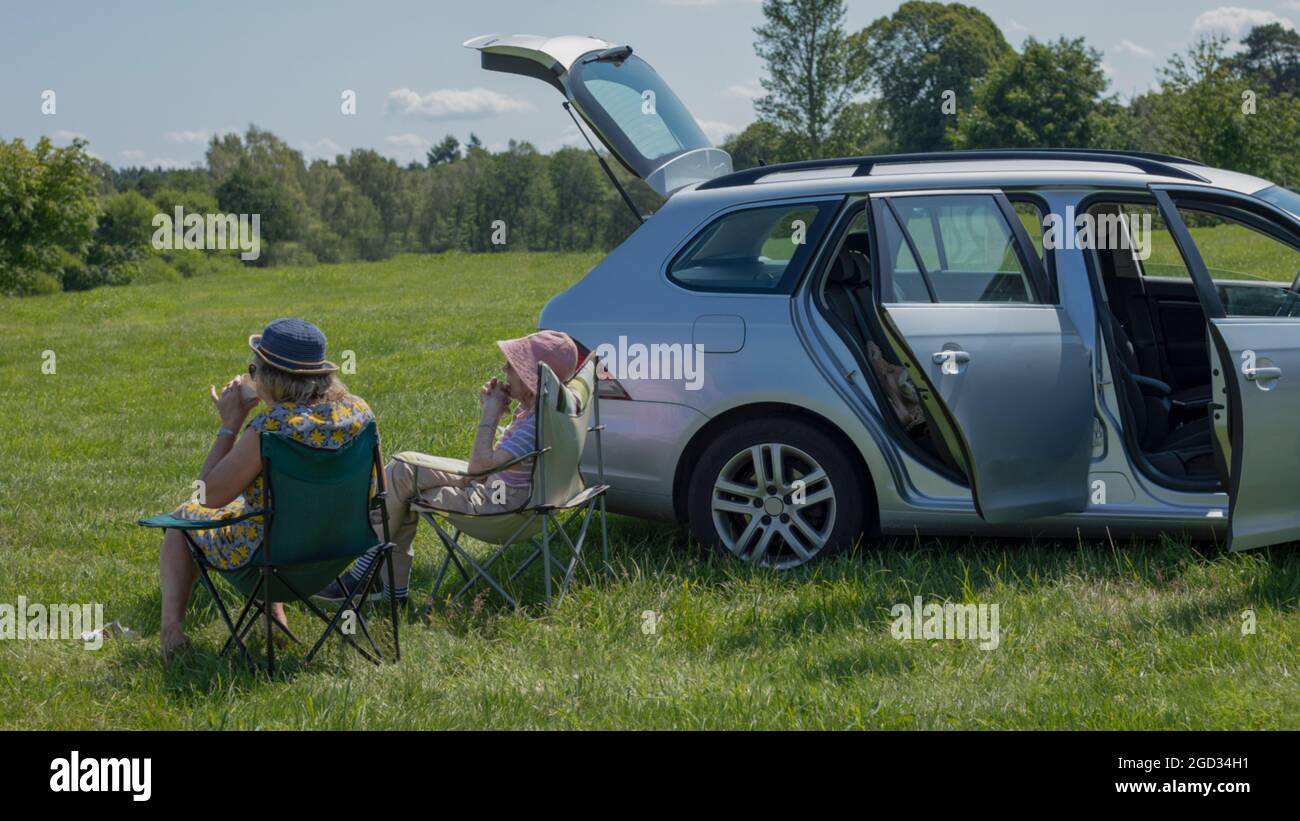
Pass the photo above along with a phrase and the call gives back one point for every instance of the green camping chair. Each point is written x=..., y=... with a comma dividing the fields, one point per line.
x=565, y=415
x=318, y=505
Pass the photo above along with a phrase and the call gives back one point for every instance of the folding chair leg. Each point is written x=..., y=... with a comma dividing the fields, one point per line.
x=241, y=629
x=604, y=538
x=270, y=631
x=527, y=563
x=546, y=555
x=331, y=624
x=221, y=607
x=575, y=547
x=392, y=599
x=453, y=548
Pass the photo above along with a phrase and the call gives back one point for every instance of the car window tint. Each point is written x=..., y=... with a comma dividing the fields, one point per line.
x=966, y=246
x=1153, y=245
x=1250, y=268
x=651, y=122
x=759, y=249
x=1032, y=219
x=908, y=285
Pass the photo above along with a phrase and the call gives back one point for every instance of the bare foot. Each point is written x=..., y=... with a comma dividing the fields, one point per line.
x=281, y=639
x=173, y=641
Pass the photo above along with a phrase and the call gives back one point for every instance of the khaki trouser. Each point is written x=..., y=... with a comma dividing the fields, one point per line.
x=409, y=477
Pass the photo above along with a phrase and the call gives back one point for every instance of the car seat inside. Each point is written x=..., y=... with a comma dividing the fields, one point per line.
x=1165, y=409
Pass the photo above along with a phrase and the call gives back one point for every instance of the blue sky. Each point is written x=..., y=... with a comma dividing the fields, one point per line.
x=149, y=82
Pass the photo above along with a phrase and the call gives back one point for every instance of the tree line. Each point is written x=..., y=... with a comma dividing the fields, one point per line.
x=931, y=76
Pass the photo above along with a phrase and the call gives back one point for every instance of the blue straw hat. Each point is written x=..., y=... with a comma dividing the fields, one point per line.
x=293, y=345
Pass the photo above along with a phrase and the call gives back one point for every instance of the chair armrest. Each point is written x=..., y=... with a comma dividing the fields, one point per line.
x=169, y=522
x=1152, y=387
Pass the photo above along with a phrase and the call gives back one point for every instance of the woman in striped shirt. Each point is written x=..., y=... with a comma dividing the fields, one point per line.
x=503, y=486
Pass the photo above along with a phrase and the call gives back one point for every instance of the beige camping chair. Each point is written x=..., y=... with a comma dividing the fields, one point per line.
x=565, y=415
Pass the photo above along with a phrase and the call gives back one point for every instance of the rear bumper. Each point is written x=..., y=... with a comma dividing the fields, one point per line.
x=642, y=443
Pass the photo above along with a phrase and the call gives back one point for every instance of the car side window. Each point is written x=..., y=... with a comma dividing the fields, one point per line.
x=967, y=250
x=754, y=249
x=1251, y=269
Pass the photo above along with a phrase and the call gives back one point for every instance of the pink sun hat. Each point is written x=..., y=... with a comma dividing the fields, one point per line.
x=554, y=348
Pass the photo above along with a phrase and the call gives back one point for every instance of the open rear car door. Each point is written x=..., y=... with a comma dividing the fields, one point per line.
x=621, y=98
x=1002, y=372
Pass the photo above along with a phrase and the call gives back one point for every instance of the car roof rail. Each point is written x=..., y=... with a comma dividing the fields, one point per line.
x=1159, y=164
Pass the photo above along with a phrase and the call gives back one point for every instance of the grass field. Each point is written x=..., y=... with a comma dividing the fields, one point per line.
x=1094, y=635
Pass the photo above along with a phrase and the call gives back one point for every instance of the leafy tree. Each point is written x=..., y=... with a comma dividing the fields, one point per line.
x=810, y=70
x=1271, y=57
x=1048, y=96
x=762, y=143
x=350, y=226
x=126, y=224
x=378, y=178
x=444, y=152
x=194, y=202
x=246, y=192
x=915, y=55
x=1206, y=110
x=859, y=130
x=47, y=209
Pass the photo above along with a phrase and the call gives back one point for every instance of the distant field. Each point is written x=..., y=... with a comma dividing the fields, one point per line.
x=1094, y=635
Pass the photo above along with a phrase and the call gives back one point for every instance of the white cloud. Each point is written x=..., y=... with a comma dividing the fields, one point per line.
x=1107, y=69
x=752, y=91
x=1132, y=49
x=65, y=136
x=717, y=131
x=184, y=137
x=135, y=157
x=570, y=138
x=452, y=103
x=411, y=142
x=323, y=148
x=1015, y=27
x=1235, y=21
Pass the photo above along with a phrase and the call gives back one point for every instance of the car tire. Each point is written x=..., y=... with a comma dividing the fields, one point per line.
x=772, y=523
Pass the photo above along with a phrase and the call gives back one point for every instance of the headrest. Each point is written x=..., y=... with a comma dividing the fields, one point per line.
x=850, y=268
x=860, y=242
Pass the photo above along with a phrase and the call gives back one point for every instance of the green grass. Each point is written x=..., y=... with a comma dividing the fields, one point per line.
x=1095, y=635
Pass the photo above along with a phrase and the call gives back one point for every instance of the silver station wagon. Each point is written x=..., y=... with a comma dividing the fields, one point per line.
x=1058, y=343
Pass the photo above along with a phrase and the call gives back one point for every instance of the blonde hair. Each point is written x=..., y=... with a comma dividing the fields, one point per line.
x=297, y=388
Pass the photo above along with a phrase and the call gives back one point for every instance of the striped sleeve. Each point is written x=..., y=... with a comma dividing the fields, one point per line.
x=520, y=436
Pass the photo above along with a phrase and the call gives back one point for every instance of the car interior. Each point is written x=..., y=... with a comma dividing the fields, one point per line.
x=1155, y=330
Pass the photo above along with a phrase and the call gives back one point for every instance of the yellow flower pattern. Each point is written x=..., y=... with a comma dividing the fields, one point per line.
x=329, y=425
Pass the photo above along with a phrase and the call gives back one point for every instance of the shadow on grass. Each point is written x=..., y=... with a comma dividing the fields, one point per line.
x=201, y=670
x=851, y=591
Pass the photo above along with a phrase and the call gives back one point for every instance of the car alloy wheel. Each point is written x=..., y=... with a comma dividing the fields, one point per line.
x=773, y=505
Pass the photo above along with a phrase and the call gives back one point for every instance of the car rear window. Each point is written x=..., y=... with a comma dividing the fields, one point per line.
x=755, y=249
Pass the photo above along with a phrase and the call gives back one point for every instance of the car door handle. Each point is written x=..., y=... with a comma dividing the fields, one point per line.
x=1262, y=374
x=960, y=357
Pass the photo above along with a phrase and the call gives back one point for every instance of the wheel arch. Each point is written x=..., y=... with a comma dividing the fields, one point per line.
x=766, y=410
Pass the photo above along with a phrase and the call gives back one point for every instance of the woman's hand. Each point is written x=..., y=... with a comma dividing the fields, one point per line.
x=231, y=405
x=493, y=399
